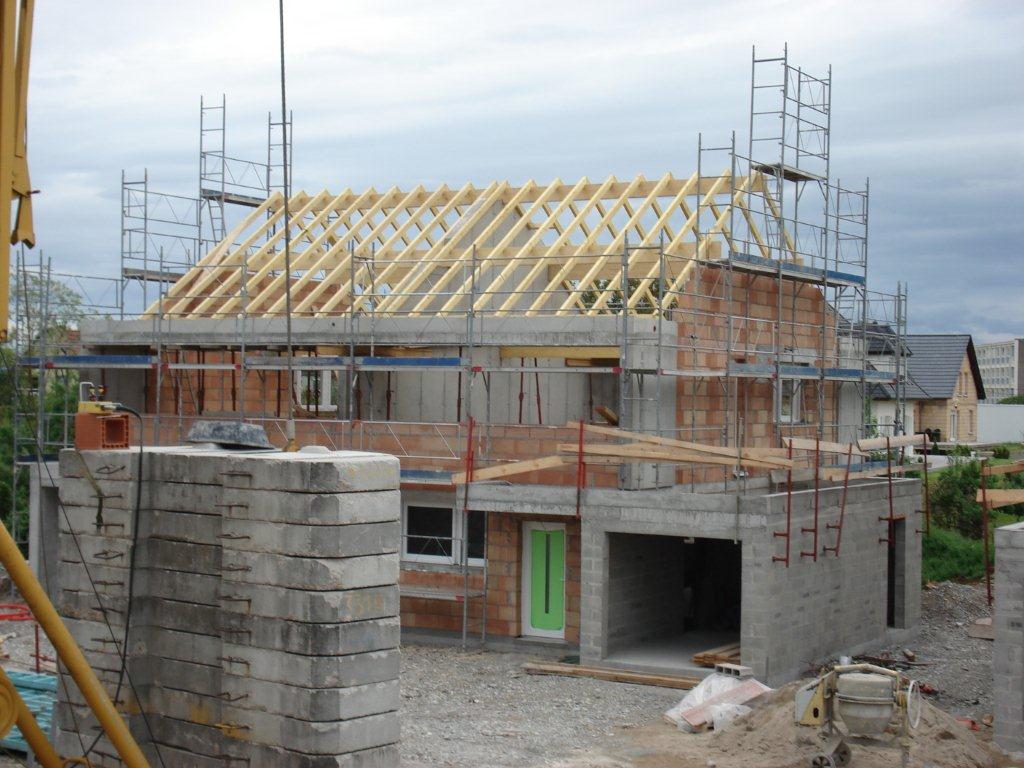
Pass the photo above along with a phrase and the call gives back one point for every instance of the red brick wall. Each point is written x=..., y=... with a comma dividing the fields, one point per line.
x=704, y=410
x=504, y=584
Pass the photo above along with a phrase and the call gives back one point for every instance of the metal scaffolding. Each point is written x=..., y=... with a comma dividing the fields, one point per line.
x=687, y=254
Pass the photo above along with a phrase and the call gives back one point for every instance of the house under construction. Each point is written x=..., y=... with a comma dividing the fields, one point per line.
x=626, y=409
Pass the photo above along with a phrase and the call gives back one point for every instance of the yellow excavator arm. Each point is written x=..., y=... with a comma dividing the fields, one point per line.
x=15, y=47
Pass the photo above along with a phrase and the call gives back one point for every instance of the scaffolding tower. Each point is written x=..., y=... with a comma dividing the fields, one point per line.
x=163, y=235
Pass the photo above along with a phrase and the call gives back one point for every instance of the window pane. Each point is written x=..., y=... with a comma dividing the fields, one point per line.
x=475, y=536
x=428, y=531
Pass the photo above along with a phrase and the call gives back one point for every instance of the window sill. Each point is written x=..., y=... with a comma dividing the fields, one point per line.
x=416, y=565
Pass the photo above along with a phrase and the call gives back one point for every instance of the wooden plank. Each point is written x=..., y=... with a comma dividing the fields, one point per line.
x=1000, y=497
x=1003, y=469
x=655, y=453
x=896, y=441
x=515, y=468
x=805, y=444
x=836, y=474
x=578, y=353
x=773, y=456
x=610, y=674
x=723, y=654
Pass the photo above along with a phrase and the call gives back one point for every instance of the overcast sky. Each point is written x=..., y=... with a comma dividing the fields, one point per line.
x=928, y=101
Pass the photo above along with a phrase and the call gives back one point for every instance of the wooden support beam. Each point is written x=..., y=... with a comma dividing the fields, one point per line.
x=805, y=444
x=774, y=456
x=1003, y=469
x=515, y=468
x=897, y=441
x=836, y=474
x=1000, y=497
x=654, y=453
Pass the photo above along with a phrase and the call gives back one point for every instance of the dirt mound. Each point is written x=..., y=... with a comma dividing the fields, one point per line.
x=768, y=737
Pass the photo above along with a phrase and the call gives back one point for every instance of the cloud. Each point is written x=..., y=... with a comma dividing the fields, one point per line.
x=927, y=103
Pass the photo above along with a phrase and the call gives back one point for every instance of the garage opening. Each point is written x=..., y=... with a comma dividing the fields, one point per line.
x=669, y=598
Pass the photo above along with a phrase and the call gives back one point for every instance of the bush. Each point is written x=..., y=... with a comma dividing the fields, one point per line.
x=1001, y=452
x=1012, y=400
x=953, y=502
x=949, y=556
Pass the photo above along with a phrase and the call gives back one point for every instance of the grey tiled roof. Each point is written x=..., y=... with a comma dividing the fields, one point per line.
x=934, y=364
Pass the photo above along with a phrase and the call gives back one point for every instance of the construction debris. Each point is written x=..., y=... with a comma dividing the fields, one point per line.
x=716, y=695
x=610, y=674
x=723, y=654
x=982, y=629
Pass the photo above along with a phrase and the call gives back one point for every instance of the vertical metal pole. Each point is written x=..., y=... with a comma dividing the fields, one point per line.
x=351, y=384
x=290, y=426
x=984, y=531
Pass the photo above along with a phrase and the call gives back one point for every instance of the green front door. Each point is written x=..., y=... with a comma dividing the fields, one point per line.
x=547, y=579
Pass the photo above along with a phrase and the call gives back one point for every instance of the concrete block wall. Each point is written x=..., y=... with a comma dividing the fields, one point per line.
x=816, y=608
x=645, y=574
x=789, y=616
x=659, y=513
x=1008, y=654
x=265, y=612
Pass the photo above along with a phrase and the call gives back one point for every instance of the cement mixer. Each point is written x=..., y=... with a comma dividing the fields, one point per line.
x=860, y=703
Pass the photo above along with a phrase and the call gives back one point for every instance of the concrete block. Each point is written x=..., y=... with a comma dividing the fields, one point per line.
x=316, y=705
x=308, y=606
x=336, y=472
x=309, y=541
x=310, y=671
x=311, y=639
x=312, y=508
x=311, y=573
x=330, y=738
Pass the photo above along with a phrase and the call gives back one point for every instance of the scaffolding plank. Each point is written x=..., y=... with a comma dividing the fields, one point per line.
x=91, y=361
x=748, y=262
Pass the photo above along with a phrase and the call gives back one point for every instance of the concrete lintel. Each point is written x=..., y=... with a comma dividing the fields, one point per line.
x=600, y=502
x=601, y=330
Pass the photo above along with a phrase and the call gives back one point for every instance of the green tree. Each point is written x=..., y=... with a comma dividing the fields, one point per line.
x=34, y=331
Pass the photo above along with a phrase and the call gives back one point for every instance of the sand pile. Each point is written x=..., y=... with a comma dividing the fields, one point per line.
x=768, y=737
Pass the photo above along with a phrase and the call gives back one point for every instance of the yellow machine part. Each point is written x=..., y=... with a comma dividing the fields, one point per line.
x=8, y=705
x=95, y=406
x=811, y=703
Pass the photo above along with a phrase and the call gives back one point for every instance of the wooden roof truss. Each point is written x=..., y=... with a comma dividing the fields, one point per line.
x=528, y=250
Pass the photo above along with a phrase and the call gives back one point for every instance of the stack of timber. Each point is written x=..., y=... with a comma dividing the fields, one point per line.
x=723, y=654
x=641, y=447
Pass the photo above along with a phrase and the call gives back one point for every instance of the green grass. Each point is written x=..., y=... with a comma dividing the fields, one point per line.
x=949, y=556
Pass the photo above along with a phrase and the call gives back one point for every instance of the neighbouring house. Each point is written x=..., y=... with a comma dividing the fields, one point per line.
x=943, y=388
x=467, y=328
x=1001, y=370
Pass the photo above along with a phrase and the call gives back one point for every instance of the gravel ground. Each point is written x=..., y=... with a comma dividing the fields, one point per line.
x=469, y=710
x=960, y=667
x=481, y=709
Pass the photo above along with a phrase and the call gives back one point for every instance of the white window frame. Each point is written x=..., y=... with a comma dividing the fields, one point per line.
x=326, y=388
x=457, y=536
x=796, y=401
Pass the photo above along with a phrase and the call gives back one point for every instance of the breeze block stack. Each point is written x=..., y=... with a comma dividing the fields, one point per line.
x=264, y=628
